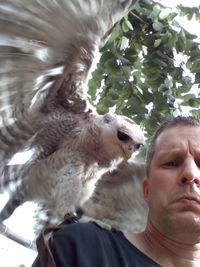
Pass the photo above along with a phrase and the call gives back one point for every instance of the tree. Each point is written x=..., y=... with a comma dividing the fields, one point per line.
x=144, y=66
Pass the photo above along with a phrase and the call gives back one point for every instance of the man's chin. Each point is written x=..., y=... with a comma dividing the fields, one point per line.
x=187, y=218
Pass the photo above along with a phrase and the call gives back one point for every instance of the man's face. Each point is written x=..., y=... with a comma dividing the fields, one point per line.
x=172, y=191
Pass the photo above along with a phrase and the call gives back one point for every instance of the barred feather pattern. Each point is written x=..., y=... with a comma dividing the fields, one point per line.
x=47, y=49
x=64, y=173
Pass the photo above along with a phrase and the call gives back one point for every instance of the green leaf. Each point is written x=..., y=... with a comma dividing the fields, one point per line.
x=164, y=13
x=128, y=24
x=188, y=97
x=157, y=42
x=124, y=42
x=196, y=65
x=113, y=94
x=101, y=109
x=194, y=102
x=145, y=72
x=108, y=102
x=158, y=26
x=125, y=27
x=195, y=113
x=107, y=55
x=155, y=12
x=117, y=32
x=159, y=62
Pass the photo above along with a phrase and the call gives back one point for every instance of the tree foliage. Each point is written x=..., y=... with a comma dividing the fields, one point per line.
x=148, y=66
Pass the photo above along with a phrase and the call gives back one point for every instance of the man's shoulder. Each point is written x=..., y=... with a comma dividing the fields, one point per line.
x=94, y=243
x=80, y=229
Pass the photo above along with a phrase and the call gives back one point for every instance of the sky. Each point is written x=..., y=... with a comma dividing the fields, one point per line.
x=13, y=254
x=192, y=26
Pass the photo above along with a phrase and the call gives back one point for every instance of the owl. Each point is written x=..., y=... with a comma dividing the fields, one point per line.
x=65, y=177
x=47, y=51
x=118, y=200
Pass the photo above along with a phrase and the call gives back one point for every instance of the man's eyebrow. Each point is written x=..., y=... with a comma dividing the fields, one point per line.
x=176, y=152
x=171, y=152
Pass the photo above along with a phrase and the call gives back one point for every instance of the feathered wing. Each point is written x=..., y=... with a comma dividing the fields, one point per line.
x=46, y=51
x=118, y=200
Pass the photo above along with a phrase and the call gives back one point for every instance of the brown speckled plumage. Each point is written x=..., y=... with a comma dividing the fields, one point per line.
x=47, y=49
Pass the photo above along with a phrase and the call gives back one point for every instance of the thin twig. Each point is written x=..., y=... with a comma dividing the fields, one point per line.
x=136, y=16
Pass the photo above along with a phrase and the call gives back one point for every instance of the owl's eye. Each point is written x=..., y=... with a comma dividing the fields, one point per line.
x=138, y=146
x=122, y=136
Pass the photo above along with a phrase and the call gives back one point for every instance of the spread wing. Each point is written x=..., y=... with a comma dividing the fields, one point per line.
x=47, y=49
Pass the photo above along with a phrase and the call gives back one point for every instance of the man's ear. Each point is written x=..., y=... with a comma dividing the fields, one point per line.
x=145, y=187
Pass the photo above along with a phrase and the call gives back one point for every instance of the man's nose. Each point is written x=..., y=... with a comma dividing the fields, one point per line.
x=191, y=172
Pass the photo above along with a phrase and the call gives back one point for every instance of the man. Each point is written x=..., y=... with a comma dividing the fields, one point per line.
x=172, y=192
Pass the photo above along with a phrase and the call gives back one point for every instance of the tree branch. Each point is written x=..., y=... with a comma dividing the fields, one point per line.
x=4, y=230
x=140, y=19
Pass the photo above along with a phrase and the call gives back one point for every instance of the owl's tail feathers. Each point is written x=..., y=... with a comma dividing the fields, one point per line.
x=9, y=178
x=14, y=202
x=9, y=182
x=15, y=137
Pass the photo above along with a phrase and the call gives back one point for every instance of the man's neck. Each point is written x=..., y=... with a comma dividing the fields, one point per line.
x=166, y=251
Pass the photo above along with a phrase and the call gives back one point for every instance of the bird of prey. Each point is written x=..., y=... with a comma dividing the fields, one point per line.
x=47, y=50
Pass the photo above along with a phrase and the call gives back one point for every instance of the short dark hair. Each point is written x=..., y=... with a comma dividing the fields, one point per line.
x=175, y=121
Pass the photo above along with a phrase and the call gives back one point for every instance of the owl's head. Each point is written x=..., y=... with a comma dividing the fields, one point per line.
x=120, y=136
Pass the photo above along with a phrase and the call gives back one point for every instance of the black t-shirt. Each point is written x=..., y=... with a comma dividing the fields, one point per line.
x=88, y=245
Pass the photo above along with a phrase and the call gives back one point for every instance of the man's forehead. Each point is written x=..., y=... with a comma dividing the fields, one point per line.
x=178, y=137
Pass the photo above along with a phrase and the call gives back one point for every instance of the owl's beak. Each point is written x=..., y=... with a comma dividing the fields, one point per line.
x=127, y=154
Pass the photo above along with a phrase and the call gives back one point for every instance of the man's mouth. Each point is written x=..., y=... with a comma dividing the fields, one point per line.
x=189, y=200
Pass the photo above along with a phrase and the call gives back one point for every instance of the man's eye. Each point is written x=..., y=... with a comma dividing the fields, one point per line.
x=171, y=164
x=197, y=163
